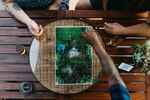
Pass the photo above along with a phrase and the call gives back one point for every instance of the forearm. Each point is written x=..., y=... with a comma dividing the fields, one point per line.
x=17, y=12
x=108, y=65
x=142, y=29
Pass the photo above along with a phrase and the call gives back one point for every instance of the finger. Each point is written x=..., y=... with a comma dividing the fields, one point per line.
x=109, y=25
x=40, y=30
x=34, y=32
x=83, y=34
x=40, y=27
x=116, y=23
x=107, y=29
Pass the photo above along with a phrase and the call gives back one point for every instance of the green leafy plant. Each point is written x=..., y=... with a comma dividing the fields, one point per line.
x=142, y=56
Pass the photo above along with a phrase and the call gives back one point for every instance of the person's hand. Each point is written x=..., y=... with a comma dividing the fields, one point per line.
x=53, y=7
x=114, y=28
x=91, y=37
x=34, y=28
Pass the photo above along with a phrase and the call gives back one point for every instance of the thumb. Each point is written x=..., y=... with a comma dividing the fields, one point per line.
x=40, y=30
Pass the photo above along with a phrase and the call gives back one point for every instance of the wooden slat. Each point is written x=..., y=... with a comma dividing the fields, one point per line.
x=108, y=36
x=124, y=14
x=36, y=14
x=119, y=60
x=91, y=96
x=15, y=32
x=131, y=87
x=58, y=14
x=15, y=40
x=27, y=41
x=119, y=51
x=8, y=49
x=127, y=42
x=124, y=22
x=134, y=70
x=81, y=13
x=16, y=86
x=14, y=58
x=97, y=87
x=5, y=67
x=11, y=49
x=148, y=87
x=101, y=13
x=15, y=68
x=17, y=77
x=17, y=58
x=104, y=96
x=29, y=77
x=34, y=95
x=127, y=78
x=11, y=22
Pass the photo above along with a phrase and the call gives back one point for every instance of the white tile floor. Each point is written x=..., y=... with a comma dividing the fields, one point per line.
x=72, y=4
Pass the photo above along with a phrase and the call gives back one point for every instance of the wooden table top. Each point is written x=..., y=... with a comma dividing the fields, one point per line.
x=15, y=68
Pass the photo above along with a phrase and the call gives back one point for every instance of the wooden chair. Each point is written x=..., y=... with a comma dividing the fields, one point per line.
x=15, y=68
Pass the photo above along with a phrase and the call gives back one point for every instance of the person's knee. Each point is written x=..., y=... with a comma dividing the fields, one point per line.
x=7, y=1
x=83, y=5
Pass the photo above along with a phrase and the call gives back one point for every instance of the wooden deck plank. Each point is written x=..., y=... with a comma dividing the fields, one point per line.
x=34, y=95
x=11, y=22
x=105, y=96
x=11, y=49
x=131, y=87
x=27, y=40
x=119, y=51
x=127, y=78
x=15, y=68
x=80, y=13
x=17, y=77
x=17, y=85
x=15, y=40
x=17, y=58
x=136, y=87
x=126, y=42
x=15, y=32
x=148, y=88
x=14, y=58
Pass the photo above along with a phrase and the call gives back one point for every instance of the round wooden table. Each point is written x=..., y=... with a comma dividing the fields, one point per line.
x=42, y=59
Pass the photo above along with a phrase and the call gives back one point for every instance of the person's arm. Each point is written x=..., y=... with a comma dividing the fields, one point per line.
x=142, y=29
x=105, y=4
x=55, y=5
x=20, y=15
x=108, y=65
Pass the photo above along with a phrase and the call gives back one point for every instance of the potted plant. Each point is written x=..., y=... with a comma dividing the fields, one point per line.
x=141, y=56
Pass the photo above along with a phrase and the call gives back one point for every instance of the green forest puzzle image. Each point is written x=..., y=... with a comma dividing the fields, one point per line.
x=73, y=56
